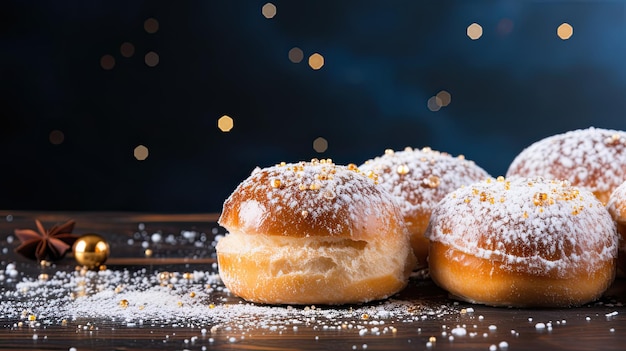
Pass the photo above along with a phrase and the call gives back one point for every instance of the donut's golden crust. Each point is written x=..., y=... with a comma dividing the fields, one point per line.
x=419, y=178
x=313, y=232
x=524, y=242
x=478, y=280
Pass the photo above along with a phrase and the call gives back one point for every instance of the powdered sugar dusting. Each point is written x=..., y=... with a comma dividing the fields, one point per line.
x=535, y=225
x=592, y=158
x=309, y=198
x=419, y=178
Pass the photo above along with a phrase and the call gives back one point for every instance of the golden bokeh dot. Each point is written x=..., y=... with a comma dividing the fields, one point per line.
x=56, y=137
x=151, y=25
x=444, y=97
x=225, y=123
x=296, y=55
x=141, y=152
x=316, y=61
x=565, y=31
x=151, y=59
x=320, y=144
x=107, y=62
x=127, y=49
x=474, y=31
x=269, y=10
x=434, y=103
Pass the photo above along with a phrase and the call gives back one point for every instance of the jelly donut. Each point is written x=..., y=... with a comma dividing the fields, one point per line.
x=313, y=233
x=593, y=158
x=522, y=243
x=419, y=179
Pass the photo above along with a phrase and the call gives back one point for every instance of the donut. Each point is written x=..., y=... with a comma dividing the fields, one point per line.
x=522, y=243
x=313, y=233
x=593, y=158
x=419, y=178
x=617, y=209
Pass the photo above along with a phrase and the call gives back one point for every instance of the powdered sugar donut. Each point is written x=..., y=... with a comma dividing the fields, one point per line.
x=313, y=233
x=419, y=179
x=593, y=158
x=523, y=243
x=617, y=209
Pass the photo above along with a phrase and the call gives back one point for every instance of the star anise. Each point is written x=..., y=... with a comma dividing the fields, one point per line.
x=45, y=244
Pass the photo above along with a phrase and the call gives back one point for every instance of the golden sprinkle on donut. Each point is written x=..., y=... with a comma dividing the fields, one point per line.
x=304, y=213
x=315, y=186
x=427, y=149
x=432, y=181
x=402, y=169
x=408, y=149
x=461, y=157
x=540, y=199
x=389, y=152
x=500, y=179
x=352, y=166
x=275, y=182
x=612, y=140
x=483, y=196
x=329, y=194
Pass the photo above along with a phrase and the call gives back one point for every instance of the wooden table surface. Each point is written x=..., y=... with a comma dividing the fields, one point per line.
x=173, y=299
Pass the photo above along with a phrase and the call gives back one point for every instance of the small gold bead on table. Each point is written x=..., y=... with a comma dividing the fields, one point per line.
x=91, y=250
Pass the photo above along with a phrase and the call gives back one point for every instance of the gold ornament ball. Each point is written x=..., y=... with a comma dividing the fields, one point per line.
x=91, y=250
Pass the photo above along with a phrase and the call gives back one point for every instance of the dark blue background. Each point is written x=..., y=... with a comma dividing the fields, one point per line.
x=383, y=61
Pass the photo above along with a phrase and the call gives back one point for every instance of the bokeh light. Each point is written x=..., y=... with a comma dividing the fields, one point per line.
x=141, y=152
x=269, y=10
x=320, y=144
x=474, y=31
x=107, y=62
x=152, y=59
x=565, y=31
x=296, y=55
x=56, y=137
x=225, y=123
x=127, y=49
x=316, y=61
x=434, y=103
x=444, y=97
x=151, y=25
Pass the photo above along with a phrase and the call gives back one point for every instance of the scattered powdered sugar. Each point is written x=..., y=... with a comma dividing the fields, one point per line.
x=190, y=298
x=592, y=158
x=419, y=178
x=536, y=225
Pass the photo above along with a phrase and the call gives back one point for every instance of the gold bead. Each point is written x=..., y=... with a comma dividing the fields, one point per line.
x=91, y=250
x=402, y=169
